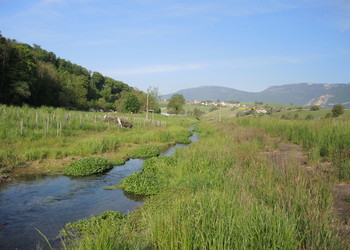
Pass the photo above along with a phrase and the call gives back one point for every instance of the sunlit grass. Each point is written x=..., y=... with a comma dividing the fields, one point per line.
x=221, y=193
x=32, y=138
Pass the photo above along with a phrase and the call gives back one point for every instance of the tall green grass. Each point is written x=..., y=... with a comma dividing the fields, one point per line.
x=221, y=193
x=323, y=140
x=29, y=134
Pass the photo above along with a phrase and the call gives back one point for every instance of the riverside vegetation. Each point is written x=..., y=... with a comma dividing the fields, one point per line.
x=46, y=140
x=224, y=193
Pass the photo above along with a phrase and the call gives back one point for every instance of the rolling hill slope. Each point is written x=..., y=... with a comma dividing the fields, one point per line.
x=299, y=94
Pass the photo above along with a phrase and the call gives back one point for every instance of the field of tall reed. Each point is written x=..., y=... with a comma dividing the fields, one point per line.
x=223, y=193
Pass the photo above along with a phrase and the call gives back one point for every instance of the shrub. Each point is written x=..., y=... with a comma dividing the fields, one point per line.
x=309, y=117
x=314, y=108
x=88, y=166
x=337, y=110
x=328, y=115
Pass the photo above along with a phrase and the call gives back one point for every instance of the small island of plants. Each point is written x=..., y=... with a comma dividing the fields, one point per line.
x=88, y=166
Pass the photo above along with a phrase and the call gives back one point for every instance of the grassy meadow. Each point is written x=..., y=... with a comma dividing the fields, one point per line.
x=46, y=140
x=224, y=193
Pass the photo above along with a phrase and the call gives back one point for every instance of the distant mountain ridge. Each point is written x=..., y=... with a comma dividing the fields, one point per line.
x=307, y=94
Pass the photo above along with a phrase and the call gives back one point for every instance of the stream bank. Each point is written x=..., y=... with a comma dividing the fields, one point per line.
x=48, y=203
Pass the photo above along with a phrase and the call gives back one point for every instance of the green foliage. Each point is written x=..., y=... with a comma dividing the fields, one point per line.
x=88, y=166
x=37, y=77
x=93, y=224
x=176, y=103
x=152, y=179
x=314, y=108
x=337, y=110
x=222, y=193
x=309, y=117
x=213, y=108
x=197, y=113
x=36, y=134
x=131, y=104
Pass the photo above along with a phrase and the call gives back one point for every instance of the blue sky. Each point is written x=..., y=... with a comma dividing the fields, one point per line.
x=243, y=44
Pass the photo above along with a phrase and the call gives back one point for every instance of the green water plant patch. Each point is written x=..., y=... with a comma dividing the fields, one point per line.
x=153, y=178
x=88, y=166
x=93, y=224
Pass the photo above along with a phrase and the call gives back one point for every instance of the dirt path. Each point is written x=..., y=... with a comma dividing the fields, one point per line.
x=341, y=206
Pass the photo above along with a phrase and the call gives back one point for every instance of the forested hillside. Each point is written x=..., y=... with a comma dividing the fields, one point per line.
x=31, y=75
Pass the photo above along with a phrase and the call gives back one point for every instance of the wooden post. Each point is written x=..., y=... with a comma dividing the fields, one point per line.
x=36, y=120
x=22, y=126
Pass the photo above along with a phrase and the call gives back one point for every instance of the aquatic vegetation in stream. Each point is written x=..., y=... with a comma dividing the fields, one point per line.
x=88, y=166
x=153, y=178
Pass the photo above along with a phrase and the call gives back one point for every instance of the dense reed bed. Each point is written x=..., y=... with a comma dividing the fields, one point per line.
x=223, y=193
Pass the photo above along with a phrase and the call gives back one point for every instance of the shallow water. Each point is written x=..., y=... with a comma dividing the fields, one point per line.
x=48, y=203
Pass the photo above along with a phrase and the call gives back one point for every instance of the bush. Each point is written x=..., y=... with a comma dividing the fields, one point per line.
x=309, y=117
x=314, y=108
x=88, y=166
x=337, y=110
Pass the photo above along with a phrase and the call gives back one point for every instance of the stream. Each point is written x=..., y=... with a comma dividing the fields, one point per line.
x=48, y=203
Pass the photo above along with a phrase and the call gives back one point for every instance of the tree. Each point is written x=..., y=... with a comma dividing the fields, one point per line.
x=98, y=80
x=131, y=103
x=153, y=99
x=314, y=108
x=176, y=103
x=337, y=110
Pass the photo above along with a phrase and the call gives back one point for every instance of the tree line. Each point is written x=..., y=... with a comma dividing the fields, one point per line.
x=31, y=75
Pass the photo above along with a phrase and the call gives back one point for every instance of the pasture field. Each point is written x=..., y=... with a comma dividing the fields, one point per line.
x=225, y=192
x=45, y=140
